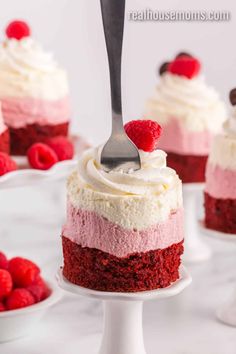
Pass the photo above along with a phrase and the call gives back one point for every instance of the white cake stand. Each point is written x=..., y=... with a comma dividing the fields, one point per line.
x=123, y=328
x=227, y=312
x=195, y=248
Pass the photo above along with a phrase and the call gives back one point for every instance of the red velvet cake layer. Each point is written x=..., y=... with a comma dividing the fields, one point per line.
x=220, y=214
x=190, y=168
x=5, y=142
x=95, y=269
x=23, y=138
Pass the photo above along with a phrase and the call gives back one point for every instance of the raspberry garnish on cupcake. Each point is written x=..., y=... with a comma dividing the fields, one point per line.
x=144, y=134
x=18, y=29
x=183, y=64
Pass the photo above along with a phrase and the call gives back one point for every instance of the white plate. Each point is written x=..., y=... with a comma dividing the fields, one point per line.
x=27, y=176
x=19, y=323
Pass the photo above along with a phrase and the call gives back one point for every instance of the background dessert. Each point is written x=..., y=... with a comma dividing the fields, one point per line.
x=33, y=90
x=190, y=112
x=220, y=192
x=124, y=232
x=4, y=135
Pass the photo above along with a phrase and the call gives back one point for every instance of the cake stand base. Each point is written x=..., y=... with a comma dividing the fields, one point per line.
x=227, y=312
x=195, y=249
x=123, y=328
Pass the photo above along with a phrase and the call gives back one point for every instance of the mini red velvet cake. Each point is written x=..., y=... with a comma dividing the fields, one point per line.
x=124, y=231
x=220, y=192
x=33, y=90
x=190, y=113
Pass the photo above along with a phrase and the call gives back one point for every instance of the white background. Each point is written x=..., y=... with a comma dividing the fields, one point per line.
x=72, y=29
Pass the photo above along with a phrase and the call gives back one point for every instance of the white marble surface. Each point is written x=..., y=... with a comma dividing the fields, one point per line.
x=30, y=222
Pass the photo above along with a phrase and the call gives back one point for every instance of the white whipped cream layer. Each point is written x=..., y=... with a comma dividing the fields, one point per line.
x=26, y=70
x=134, y=200
x=196, y=105
x=223, y=152
x=230, y=124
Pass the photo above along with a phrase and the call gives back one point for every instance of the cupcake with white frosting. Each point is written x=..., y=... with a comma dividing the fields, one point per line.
x=220, y=191
x=190, y=112
x=124, y=231
x=33, y=90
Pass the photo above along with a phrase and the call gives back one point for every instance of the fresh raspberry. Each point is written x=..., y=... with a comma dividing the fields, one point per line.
x=18, y=30
x=2, y=307
x=39, y=290
x=41, y=156
x=19, y=298
x=6, y=164
x=144, y=134
x=23, y=271
x=5, y=283
x=185, y=66
x=3, y=261
x=62, y=146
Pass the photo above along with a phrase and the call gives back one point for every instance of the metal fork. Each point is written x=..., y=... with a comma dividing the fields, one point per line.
x=119, y=153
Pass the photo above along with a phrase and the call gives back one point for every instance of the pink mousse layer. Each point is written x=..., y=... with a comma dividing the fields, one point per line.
x=220, y=183
x=175, y=138
x=88, y=229
x=19, y=112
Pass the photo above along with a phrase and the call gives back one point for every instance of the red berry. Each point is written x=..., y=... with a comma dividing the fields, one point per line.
x=19, y=298
x=39, y=290
x=41, y=156
x=62, y=146
x=3, y=261
x=2, y=307
x=5, y=283
x=18, y=30
x=185, y=66
x=144, y=134
x=23, y=271
x=6, y=164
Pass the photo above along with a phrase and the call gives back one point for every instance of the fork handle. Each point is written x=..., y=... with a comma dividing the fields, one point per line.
x=113, y=12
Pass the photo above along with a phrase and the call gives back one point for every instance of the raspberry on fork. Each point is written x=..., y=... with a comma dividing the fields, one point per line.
x=144, y=134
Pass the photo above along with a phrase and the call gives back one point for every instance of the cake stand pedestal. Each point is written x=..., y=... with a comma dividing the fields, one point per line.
x=123, y=328
x=227, y=312
x=195, y=249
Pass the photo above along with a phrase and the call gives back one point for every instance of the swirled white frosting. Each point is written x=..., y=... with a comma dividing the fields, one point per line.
x=153, y=177
x=196, y=105
x=26, y=70
x=230, y=124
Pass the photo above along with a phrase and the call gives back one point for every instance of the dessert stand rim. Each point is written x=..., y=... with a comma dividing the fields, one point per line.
x=219, y=235
x=172, y=290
